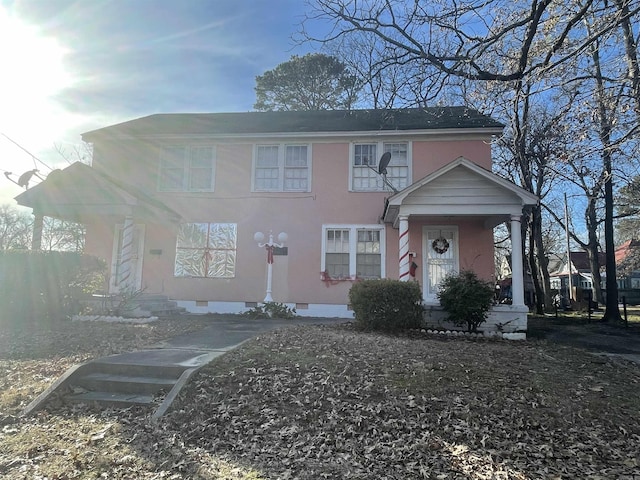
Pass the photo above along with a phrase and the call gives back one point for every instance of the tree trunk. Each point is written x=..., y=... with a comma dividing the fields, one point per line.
x=532, y=261
x=612, y=311
x=592, y=248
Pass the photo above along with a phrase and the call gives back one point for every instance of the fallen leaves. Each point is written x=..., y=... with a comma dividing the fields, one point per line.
x=315, y=403
x=329, y=402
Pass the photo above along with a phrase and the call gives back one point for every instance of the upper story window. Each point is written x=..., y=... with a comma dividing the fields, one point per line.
x=281, y=168
x=364, y=166
x=185, y=168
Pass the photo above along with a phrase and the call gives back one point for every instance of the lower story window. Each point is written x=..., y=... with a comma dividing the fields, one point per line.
x=206, y=250
x=354, y=251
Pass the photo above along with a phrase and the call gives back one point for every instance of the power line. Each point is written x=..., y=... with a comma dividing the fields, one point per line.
x=33, y=157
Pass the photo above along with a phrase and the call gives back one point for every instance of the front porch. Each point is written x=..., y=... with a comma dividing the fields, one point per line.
x=503, y=319
x=117, y=213
x=446, y=221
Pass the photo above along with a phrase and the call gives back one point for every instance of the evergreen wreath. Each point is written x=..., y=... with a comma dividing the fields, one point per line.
x=440, y=245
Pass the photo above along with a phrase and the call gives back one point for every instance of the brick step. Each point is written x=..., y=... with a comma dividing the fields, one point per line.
x=101, y=381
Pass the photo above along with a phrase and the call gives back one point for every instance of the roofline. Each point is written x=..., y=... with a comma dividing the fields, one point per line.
x=481, y=131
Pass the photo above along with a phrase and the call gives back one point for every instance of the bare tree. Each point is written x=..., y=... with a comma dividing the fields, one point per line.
x=541, y=44
x=61, y=235
x=527, y=154
x=15, y=229
x=628, y=213
x=491, y=40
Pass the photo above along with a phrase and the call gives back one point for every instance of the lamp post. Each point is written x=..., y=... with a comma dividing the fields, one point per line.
x=269, y=246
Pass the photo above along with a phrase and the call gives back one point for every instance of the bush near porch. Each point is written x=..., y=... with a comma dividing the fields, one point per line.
x=466, y=299
x=386, y=305
x=37, y=287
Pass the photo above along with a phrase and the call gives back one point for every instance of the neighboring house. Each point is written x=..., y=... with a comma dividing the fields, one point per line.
x=628, y=280
x=504, y=281
x=173, y=201
x=580, y=271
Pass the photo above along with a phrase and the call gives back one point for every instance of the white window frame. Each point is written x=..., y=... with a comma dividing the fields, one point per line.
x=353, y=243
x=187, y=168
x=381, y=187
x=282, y=167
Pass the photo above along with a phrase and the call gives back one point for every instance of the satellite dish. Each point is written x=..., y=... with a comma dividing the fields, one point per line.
x=384, y=161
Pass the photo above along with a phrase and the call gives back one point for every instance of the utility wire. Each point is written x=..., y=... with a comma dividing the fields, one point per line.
x=34, y=158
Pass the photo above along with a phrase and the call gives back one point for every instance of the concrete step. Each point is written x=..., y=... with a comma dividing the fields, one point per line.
x=170, y=372
x=102, y=381
x=145, y=377
x=158, y=305
x=110, y=399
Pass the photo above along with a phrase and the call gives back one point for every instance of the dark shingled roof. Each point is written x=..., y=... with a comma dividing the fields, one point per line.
x=300, y=122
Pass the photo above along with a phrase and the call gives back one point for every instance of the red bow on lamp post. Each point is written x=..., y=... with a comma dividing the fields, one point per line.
x=270, y=246
x=270, y=253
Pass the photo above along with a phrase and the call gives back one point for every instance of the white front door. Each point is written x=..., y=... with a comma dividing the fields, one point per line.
x=136, y=258
x=440, y=251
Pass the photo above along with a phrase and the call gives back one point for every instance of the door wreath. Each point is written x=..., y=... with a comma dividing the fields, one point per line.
x=440, y=245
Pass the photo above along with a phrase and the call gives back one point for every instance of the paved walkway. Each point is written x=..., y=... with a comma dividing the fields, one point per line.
x=200, y=347
x=133, y=377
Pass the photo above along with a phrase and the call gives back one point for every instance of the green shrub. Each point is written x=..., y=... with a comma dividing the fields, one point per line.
x=386, y=305
x=271, y=310
x=37, y=287
x=466, y=299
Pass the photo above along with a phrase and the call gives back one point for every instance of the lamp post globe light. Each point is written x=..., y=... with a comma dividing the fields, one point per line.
x=269, y=247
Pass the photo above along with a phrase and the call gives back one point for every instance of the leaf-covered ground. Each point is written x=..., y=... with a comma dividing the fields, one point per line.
x=329, y=402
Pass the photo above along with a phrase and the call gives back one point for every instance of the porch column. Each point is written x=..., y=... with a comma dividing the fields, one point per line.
x=517, y=271
x=126, y=252
x=36, y=238
x=404, y=247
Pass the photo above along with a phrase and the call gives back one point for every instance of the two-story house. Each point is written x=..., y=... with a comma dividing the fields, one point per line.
x=174, y=202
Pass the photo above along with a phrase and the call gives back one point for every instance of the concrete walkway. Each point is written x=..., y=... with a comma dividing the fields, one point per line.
x=138, y=377
x=226, y=333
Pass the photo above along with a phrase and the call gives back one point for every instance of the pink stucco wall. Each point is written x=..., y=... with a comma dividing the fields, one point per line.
x=297, y=276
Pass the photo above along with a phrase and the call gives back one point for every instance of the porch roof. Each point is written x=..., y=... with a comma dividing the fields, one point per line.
x=460, y=188
x=80, y=192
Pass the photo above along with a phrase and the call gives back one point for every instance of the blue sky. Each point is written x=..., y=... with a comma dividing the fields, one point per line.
x=79, y=65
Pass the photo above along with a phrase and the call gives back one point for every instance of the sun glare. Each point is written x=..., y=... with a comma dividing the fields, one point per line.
x=33, y=73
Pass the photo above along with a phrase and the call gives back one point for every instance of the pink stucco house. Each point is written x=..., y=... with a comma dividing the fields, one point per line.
x=173, y=203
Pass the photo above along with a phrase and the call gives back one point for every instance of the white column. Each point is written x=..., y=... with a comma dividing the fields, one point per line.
x=36, y=238
x=517, y=271
x=126, y=255
x=403, y=250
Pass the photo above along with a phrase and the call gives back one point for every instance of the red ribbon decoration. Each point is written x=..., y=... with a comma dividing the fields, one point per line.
x=270, y=253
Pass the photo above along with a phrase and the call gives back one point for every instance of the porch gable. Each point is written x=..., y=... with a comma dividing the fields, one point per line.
x=459, y=188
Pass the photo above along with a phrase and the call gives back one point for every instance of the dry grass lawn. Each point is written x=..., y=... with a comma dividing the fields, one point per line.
x=330, y=402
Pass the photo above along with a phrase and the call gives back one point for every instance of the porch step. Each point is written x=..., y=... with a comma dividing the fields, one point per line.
x=158, y=305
